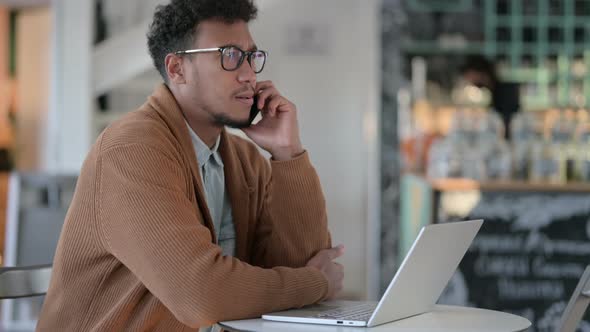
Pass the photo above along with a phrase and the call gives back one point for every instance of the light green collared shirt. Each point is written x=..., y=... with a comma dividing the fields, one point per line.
x=212, y=176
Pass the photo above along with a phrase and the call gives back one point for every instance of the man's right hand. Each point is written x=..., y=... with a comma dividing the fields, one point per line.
x=334, y=272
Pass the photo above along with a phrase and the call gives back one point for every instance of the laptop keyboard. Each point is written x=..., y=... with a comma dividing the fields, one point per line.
x=360, y=312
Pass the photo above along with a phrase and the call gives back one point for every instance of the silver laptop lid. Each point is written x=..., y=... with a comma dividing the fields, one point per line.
x=425, y=271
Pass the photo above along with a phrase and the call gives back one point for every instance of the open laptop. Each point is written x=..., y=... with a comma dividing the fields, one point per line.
x=415, y=288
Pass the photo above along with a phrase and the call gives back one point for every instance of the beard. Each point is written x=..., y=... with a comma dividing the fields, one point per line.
x=224, y=120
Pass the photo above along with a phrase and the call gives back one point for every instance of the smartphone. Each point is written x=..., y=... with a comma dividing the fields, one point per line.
x=254, y=110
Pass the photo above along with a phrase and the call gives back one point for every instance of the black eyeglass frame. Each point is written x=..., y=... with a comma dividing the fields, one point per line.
x=222, y=49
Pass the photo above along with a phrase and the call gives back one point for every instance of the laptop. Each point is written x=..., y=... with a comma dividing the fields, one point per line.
x=415, y=288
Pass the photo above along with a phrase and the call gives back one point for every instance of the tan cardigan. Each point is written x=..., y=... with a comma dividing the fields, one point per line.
x=136, y=252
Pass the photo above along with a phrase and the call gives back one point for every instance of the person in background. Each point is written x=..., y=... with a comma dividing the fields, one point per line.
x=481, y=72
x=175, y=223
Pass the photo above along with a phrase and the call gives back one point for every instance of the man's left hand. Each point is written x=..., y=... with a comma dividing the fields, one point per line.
x=278, y=131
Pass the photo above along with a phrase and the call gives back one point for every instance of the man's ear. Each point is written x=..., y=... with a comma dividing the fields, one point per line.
x=174, y=69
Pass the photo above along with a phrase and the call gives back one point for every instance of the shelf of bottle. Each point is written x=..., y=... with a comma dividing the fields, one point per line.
x=468, y=184
x=460, y=46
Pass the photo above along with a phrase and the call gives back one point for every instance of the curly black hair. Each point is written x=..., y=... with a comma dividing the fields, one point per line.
x=174, y=25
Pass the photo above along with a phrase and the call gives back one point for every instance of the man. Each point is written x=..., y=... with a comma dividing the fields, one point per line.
x=481, y=72
x=176, y=224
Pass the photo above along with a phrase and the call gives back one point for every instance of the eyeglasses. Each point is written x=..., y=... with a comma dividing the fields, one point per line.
x=232, y=57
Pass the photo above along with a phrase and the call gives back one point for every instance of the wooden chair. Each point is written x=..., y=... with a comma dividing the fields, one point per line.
x=19, y=282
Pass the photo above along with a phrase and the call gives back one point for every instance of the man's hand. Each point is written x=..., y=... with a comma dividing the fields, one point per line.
x=334, y=272
x=278, y=131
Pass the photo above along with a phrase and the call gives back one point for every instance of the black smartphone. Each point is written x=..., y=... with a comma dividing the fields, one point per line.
x=254, y=110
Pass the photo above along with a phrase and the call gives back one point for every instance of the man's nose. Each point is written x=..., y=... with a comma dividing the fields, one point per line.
x=246, y=73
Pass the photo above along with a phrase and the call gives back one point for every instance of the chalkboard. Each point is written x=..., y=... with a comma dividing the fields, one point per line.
x=528, y=256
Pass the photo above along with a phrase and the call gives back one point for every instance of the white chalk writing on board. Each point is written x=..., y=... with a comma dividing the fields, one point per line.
x=531, y=212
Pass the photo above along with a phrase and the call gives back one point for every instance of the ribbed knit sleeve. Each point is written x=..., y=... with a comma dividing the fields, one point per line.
x=293, y=226
x=147, y=222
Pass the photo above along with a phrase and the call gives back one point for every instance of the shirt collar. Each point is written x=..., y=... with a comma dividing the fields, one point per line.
x=203, y=151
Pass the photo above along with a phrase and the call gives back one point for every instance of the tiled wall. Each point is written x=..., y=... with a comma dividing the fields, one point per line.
x=392, y=80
